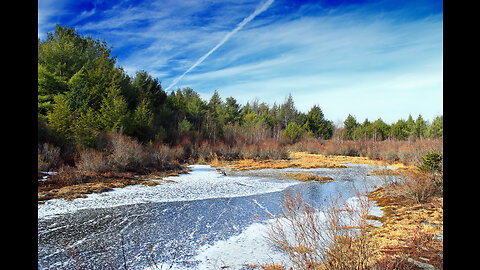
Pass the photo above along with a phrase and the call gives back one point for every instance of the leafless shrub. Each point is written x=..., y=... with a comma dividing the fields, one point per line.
x=335, y=238
x=177, y=153
x=203, y=151
x=161, y=156
x=227, y=152
x=48, y=157
x=66, y=176
x=268, y=149
x=344, y=148
x=417, y=186
x=92, y=162
x=310, y=145
x=127, y=153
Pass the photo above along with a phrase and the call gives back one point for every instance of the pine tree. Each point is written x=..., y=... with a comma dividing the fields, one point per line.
x=410, y=126
x=85, y=127
x=316, y=124
x=350, y=125
x=380, y=130
x=61, y=117
x=435, y=130
x=113, y=111
x=399, y=130
x=287, y=112
x=293, y=132
x=420, y=127
x=141, y=123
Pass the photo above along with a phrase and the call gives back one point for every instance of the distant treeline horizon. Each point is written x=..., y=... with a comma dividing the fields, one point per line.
x=81, y=93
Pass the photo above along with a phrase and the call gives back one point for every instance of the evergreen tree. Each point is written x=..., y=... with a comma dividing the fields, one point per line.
x=141, y=123
x=364, y=131
x=399, y=130
x=350, y=125
x=113, y=111
x=435, y=130
x=62, y=55
x=287, y=112
x=85, y=127
x=316, y=125
x=184, y=126
x=232, y=110
x=215, y=117
x=146, y=87
x=420, y=127
x=61, y=117
x=195, y=108
x=410, y=126
x=293, y=132
x=380, y=130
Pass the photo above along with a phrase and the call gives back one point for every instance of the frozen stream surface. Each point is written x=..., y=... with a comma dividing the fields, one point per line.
x=202, y=220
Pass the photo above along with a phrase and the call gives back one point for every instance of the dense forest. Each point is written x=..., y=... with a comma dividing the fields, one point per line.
x=83, y=94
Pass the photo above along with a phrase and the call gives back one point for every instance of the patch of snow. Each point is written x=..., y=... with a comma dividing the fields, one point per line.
x=203, y=182
x=249, y=247
x=253, y=247
x=49, y=173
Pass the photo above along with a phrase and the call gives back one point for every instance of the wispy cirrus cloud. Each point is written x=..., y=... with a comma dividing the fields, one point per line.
x=330, y=60
x=326, y=53
x=257, y=11
x=164, y=37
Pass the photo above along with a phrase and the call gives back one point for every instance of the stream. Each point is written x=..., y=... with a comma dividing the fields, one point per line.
x=200, y=220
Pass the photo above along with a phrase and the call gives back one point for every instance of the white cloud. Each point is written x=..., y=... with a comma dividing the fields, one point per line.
x=374, y=67
x=47, y=9
x=257, y=11
x=346, y=60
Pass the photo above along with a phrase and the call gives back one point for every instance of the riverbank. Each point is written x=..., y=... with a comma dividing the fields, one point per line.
x=301, y=160
x=411, y=233
x=48, y=190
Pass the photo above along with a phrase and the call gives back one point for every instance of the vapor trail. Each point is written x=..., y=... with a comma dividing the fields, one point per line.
x=227, y=36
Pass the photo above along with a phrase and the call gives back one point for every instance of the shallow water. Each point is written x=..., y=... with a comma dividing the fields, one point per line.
x=203, y=220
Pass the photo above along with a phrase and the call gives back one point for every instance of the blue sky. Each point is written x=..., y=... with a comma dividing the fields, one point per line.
x=370, y=59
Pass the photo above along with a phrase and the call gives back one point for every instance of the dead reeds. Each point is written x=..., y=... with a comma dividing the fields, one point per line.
x=407, y=152
x=333, y=238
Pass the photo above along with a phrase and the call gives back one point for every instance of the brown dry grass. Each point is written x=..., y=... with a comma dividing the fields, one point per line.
x=98, y=185
x=409, y=232
x=390, y=172
x=79, y=190
x=306, y=177
x=408, y=228
x=302, y=160
x=272, y=267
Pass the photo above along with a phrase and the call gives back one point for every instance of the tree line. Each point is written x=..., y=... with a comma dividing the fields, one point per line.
x=81, y=93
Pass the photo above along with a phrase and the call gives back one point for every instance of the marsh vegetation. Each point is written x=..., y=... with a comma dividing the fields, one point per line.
x=104, y=134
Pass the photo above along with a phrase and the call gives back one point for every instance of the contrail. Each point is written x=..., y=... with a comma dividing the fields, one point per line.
x=227, y=36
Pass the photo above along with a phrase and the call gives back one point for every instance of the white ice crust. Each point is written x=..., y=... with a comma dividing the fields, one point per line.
x=203, y=182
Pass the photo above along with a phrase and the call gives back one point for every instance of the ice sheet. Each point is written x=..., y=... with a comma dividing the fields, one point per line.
x=203, y=182
x=249, y=247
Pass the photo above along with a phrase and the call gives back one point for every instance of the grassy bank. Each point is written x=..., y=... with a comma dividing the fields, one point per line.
x=54, y=189
x=119, y=160
x=410, y=237
x=411, y=233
